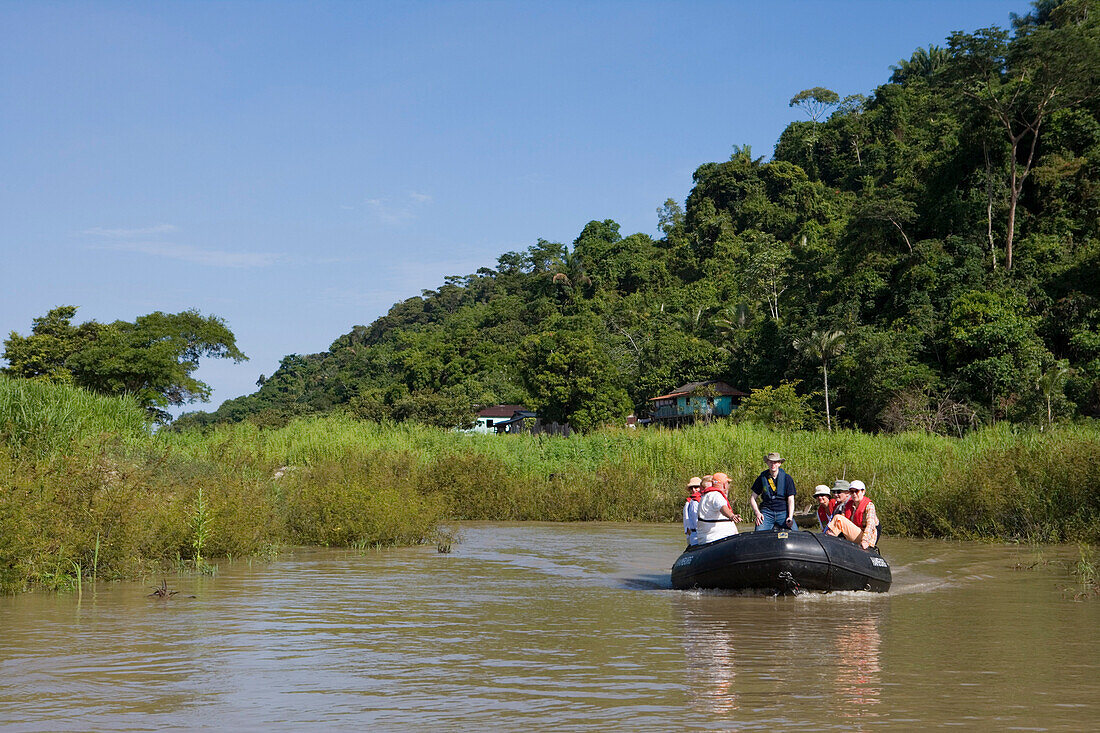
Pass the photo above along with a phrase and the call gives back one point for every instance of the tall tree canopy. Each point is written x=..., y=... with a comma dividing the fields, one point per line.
x=152, y=358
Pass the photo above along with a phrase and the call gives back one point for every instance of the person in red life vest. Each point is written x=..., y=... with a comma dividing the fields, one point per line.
x=716, y=517
x=842, y=499
x=691, y=509
x=708, y=481
x=859, y=521
x=825, y=505
x=840, y=504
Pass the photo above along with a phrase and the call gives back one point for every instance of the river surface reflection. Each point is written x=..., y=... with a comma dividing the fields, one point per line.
x=556, y=627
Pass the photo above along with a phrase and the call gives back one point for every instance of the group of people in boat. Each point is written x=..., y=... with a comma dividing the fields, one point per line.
x=843, y=510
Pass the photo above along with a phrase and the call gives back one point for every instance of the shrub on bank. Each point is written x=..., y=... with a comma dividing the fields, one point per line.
x=86, y=491
x=358, y=503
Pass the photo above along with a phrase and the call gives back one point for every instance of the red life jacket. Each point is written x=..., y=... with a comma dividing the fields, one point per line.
x=722, y=518
x=858, y=512
x=825, y=512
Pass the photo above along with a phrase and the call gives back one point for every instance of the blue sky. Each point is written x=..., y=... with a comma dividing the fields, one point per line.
x=296, y=168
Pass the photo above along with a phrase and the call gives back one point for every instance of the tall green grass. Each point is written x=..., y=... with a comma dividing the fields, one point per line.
x=88, y=490
x=45, y=419
x=994, y=483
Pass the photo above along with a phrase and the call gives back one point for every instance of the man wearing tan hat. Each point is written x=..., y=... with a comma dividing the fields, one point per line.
x=716, y=516
x=691, y=510
x=776, y=491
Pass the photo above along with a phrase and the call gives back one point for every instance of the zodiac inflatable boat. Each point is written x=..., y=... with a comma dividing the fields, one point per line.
x=781, y=562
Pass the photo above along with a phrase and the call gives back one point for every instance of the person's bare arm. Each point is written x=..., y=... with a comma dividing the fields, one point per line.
x=755, y=509
x=730, y=514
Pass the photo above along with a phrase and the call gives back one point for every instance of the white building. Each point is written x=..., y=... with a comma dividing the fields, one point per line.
x=489, y=417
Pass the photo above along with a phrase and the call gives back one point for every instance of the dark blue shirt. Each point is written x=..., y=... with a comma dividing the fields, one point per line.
x=774, y=500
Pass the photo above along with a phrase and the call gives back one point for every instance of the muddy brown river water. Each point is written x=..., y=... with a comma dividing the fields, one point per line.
x=557, y=627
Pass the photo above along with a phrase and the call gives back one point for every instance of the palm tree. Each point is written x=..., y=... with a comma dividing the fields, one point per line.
x=731, y=318
x=691, y=317
x=923, y=63
x=727, y=323
x=1051, y=381
x=822, y=345
x=570, y=277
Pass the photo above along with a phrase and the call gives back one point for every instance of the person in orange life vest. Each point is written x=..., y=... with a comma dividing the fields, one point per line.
x=825, y=505
x=691, y=509
x=716, y=517
x=776, y=491
x=859, y=523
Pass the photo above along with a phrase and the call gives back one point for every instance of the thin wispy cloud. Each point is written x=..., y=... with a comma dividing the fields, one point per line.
x=126, y=233
x=187, y=253
x=397, y=212
x=134, y=240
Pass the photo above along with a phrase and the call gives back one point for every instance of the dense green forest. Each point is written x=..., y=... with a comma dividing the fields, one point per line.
x=935, y=245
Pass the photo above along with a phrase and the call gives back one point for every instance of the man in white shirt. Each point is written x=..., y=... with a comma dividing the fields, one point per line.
x=716, y=517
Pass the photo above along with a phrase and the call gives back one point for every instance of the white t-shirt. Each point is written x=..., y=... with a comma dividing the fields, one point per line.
x=691, y=519
x=710, y=507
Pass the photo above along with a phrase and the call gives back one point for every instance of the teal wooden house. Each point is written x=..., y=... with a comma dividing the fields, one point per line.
x=694, y=401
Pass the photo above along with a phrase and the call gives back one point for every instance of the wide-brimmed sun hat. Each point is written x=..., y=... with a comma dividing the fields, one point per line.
x=841, y=485
x=821, y=490
x=695, y=482
x=774, y=457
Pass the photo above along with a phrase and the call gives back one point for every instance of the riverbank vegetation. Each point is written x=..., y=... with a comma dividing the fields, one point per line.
x=995, y=483
x=104, y=497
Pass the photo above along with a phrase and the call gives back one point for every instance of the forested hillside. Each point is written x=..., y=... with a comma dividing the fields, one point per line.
x=935, y=244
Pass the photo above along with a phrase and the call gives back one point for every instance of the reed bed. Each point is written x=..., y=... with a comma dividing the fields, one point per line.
x=994, y=483
x=38, y=418
x=90, y=492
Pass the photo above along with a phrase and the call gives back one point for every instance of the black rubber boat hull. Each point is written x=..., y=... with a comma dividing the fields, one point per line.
x=760, y=560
